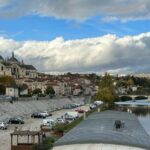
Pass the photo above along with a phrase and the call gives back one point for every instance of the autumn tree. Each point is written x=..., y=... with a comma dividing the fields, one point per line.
x=7, y=81
x=130, y=82
x=106, y=91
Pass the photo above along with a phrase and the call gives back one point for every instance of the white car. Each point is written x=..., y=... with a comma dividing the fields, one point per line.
x=49, y=122
x=71, y=115
x=98, y=103
x=3, y=125
x=61, y=121
x=44, y=113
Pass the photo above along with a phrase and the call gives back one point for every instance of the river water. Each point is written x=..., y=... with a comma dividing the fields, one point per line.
x=143, y=115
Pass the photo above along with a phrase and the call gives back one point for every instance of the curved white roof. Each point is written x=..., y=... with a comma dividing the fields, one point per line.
x=99, y=128
x=95, y=147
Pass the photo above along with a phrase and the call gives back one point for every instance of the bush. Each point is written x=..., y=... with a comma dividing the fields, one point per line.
x=59, y=128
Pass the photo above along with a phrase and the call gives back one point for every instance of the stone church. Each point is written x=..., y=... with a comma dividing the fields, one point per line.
x=12, y=67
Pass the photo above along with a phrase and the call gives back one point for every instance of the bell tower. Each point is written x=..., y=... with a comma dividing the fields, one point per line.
x=13, y=56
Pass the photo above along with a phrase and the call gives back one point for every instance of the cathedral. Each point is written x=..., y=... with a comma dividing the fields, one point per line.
x=12, y=67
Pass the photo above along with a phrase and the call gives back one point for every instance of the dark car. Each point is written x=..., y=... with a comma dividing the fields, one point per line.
x=93, y=106
x=15, y=121
x=38, y=115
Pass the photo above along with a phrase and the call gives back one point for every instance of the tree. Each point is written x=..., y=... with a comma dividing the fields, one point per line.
x=49, y=90
x=36, y=91
x=4, y=82
x=7, y=80
x=106, y=91
x=130, y=82
x=2, y=89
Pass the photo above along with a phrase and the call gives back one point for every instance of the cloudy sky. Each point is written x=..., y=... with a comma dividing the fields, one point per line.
x=77, y=35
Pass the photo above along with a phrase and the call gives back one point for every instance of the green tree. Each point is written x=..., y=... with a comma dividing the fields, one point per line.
x=2, y=89
x=49, y=90
x=106, y=91
x=36, y=91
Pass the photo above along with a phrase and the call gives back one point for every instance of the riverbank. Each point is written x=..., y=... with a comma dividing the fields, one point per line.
x=26, y=107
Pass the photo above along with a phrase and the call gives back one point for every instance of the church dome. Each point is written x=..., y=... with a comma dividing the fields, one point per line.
x=13, y=59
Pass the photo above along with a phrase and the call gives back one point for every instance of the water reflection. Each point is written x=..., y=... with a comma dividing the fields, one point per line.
x=138, y=111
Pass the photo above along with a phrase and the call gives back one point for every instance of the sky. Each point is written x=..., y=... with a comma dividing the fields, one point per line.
x=84, y=36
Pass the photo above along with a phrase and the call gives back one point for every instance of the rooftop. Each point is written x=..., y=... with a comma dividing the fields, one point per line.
x=99, y=128
x=28, y=67
x=25, y=133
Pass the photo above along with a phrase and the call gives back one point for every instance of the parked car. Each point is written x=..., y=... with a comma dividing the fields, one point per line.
x=92, y=106
x=71, y=115
x=79, y=110
x=61, y=121
x=98, y=103
x=38, y=115
x=49, y=122
x=75, y=105
x=8, y=98
x=15, y=120
x=67, y=106
x=3, y=125
x=46, y=113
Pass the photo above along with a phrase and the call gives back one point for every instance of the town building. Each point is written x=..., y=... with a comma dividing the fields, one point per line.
x=12, y=67
x=12, y=91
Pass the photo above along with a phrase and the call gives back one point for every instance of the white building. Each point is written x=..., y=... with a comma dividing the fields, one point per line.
x=62, y=88
x=12, y=91
x=39, y=85
x=23, y=90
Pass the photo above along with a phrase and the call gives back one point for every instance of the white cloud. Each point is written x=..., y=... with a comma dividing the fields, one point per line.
x=78, y=9
x=4, y=3
x=105, y=53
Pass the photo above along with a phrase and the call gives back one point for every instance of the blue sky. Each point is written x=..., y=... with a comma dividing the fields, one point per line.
x=77, y=35
x=34, y=27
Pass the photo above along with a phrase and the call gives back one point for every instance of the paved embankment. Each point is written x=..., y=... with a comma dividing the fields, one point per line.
x=26, y=107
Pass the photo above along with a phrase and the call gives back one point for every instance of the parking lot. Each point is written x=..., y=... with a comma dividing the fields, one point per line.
x=30, y=124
